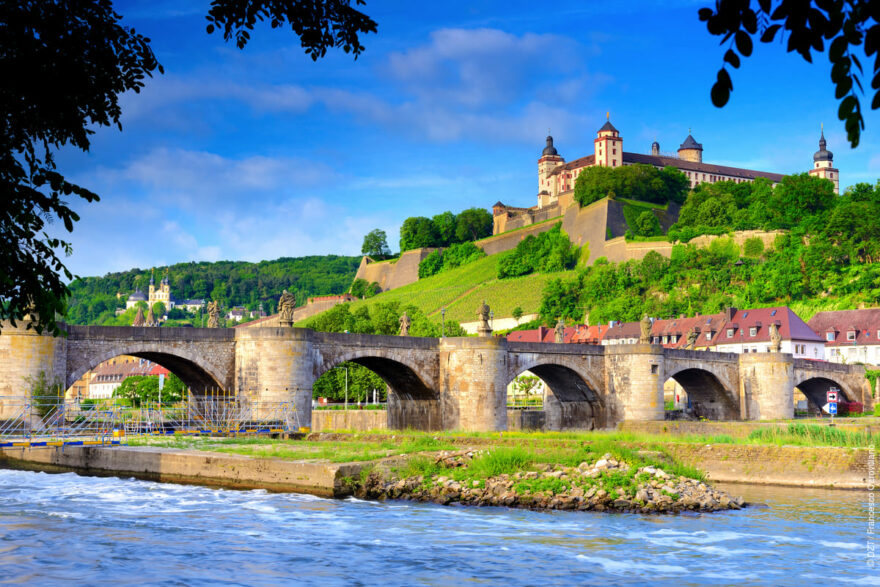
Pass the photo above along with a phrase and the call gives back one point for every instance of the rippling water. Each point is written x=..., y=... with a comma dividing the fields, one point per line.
x=65, y=528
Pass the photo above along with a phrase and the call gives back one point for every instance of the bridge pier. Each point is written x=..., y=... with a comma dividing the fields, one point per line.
x=24, y=354
x=635, y=374
x=766, y=386
x=473, y=383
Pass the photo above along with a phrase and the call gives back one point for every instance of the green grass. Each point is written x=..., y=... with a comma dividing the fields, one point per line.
x=813, y=435
x=462, y=290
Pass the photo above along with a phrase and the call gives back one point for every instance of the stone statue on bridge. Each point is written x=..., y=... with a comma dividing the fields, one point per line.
x=775, y=338
x=286, y=305
x=645, y=326
x=139, y=317
x=559, y=331
x=405, y=323
x=484, y=329
x=692, y=339
x=214, y=314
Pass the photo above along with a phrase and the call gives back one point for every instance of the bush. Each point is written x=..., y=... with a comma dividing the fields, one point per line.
x=361, y=288
x=444, y=260
x=753, y=247
x=546, y=252
x=647, y=224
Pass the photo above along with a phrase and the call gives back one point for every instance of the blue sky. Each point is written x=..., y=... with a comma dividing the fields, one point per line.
x=263, y=153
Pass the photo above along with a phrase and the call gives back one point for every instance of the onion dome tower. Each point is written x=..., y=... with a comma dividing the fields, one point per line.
x=823, y=163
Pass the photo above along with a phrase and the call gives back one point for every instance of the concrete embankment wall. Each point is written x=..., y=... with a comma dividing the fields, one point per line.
x=189, y=466
x=796, y=466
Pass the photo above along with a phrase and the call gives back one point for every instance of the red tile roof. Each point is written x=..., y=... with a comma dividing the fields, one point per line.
x=681, y=327
x=864, y=323
x=541, y=334
x=791, y=327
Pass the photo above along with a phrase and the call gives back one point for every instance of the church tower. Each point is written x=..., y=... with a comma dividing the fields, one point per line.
x=823, y=164
x=547, y=186
x=152, y=296
x=608, y=145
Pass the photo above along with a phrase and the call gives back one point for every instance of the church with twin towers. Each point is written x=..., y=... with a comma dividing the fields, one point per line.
x=557, y=177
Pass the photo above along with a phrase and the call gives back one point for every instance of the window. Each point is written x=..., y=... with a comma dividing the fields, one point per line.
x=851, y=335
x=615, y=164
x=829, y=336
x=730, y=333
x=831, y=174
x=614, y=151
x=656, y=340
x=708, y=336
x=654, y=369
x=665, y=339
x=753, y=331
x=673, y=338
x=773, y=313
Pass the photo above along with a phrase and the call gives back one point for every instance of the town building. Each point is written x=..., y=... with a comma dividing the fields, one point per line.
x=163, y=294
x=748, y=331
x=850, y=336
x=107, y=376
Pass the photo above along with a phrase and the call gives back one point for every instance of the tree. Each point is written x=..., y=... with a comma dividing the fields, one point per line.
x=417, y=232
x=64, y=65
x=473, y=224
x=446, y=225
x=319, y=24
x=158, y=309
x=647, y=224
x=376, y=244
x=140, y=389
x=843, y=24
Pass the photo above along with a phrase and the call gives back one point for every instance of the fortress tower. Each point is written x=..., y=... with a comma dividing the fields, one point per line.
x=547, y=187
x=608, y=145
x=691, y=150
x=823, y=164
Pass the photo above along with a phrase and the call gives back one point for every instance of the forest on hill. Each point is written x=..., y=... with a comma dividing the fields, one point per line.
x=94, y=300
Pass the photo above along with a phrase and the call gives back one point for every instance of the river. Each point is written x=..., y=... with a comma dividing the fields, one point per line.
x=63, y=528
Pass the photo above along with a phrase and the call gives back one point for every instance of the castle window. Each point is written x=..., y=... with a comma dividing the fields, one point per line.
x=614, y=151
x=830, y=174
x=614, y=164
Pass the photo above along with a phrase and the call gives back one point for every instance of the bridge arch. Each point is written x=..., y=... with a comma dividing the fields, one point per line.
x=814, y=388
x=709, y=394
x=413, y=398
x=186, y=365
x=573, y=399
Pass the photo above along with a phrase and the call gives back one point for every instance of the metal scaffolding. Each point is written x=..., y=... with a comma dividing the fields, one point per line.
x=56, y=421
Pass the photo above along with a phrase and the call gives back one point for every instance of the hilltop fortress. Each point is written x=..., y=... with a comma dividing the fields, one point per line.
x=600, y=227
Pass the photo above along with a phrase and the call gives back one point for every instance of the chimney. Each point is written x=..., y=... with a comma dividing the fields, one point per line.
x=731, y=311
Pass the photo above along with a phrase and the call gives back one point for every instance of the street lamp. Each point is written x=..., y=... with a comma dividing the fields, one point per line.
x=443, y=322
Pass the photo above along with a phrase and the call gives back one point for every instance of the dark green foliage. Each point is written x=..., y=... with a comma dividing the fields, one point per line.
x=418, y=232
x=445, y=229
x=647, y=224
x=376, y=244
x=140, y=389
x=361, y=288
x=319, y=25
x=64, y=65
x=233, y=283
x=445, y=259
x=546, y=252
x=473, y=224
x=361, y=383
x=638, y=182
x=832, y=253
x=798, y=200
x=808, y=26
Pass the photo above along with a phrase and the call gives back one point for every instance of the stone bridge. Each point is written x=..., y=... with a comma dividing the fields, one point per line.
x=445, y=383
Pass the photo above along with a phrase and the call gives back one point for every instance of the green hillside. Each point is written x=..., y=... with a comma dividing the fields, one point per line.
x=93, y=300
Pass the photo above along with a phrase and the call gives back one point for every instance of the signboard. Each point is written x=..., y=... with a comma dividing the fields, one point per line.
x=831, y=396
x=830, y=408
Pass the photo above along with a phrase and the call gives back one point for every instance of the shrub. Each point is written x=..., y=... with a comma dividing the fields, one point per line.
x=455, y=256
x=546, y=252
x=753, y=247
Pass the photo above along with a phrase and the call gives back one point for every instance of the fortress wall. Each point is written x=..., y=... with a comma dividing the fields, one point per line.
x=739, y=237
x=392, y=274
x=507, y=241
x=588, y=226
